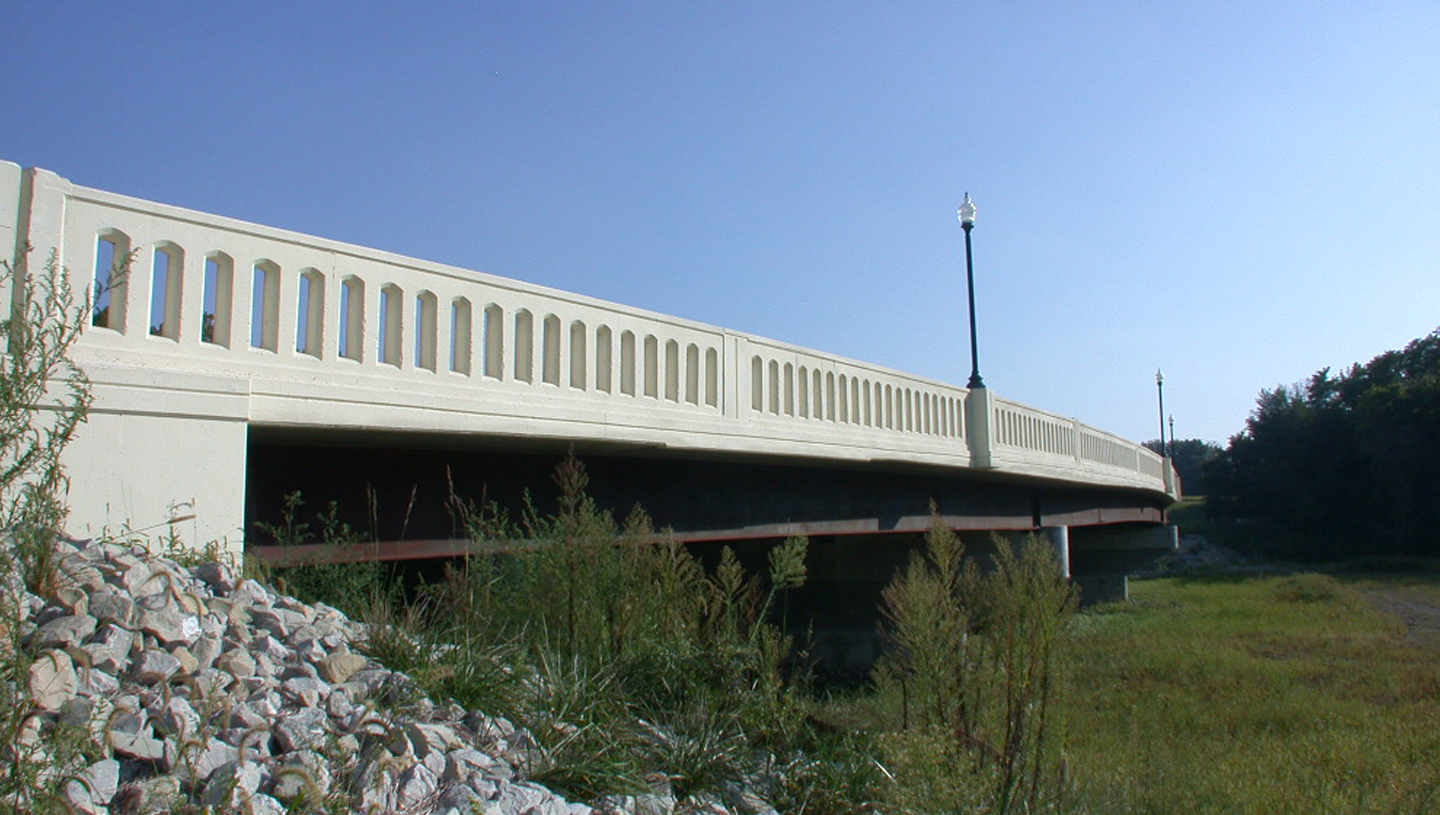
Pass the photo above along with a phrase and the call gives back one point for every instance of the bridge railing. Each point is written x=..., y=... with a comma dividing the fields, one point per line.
x=325, y=332
x=787, y=384
x=219, y=292
x=1032, y=436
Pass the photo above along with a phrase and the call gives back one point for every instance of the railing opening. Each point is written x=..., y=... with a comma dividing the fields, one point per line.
x=652, y=367
x=310, y=313
x=757, y=384
x=789, y=389
x=427, y=307
x=672, y=371
x=627, y=363
x=460, y=336
x=712, y=377
x=219, y=298
x=392, y=315
x=166, y=276
x=352, y=318
x=265, y=306
x=578, y=355
x=692, y=374
x=524, y=346
x=773, y=387
x=107, y=297
x=604, y=358
x=494, y=342
x=550, y=351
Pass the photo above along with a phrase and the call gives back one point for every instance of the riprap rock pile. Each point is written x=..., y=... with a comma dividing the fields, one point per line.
x=198, y=689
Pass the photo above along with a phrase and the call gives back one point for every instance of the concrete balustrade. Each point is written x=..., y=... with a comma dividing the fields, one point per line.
x=1032, y=441
x=223, y=324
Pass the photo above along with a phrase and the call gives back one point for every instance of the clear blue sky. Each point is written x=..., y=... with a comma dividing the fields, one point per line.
x=1239, y=193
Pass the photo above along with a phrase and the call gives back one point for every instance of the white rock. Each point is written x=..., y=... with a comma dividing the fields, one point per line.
x=93, y=788
x=110, y=648
x=262, y=805
x=417, y=786
x=200, y=760
x=232, y=785
x=170, y=625
x=52, y=680
x=110, y=606
x=302, y=772
x=177, y=718
x=154, y=666
x=66, y=631
x=305, y=729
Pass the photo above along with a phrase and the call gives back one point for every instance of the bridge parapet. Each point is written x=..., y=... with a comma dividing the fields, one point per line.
x=224, y=321
x=1037, y=442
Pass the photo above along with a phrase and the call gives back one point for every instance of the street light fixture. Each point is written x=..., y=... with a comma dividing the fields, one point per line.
x=1160, y=389
x=967, y=222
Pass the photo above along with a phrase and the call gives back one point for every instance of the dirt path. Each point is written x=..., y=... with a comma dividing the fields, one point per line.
x=1418, y=610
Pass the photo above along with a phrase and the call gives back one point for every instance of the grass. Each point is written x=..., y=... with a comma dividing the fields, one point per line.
x=1254, y=694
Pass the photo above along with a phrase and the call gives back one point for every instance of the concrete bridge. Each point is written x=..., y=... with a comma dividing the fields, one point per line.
x=234, y=356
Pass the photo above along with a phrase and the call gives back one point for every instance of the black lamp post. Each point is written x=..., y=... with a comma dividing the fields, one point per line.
x=1172, y=433
x=1160, y=389
x=967, y=222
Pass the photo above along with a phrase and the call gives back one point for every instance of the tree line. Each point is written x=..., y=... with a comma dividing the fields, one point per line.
x=1340, y=465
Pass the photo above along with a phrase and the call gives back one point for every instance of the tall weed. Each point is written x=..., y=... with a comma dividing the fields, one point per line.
x=973, y=656
x=44, y=397
x=610, y=641
x=355, y=588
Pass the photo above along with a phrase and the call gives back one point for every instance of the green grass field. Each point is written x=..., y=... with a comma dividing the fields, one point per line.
x=1259, y=694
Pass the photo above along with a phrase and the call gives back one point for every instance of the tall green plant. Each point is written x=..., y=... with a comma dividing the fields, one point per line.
x=1024, y=605
x=929, y=625
x=973, y=654
x=44, y=397
x=358, y=589
x=692, y=653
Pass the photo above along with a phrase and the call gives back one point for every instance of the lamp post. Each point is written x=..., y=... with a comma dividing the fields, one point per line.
x=967, y=222
x=1172, y=434
x=1160, y=389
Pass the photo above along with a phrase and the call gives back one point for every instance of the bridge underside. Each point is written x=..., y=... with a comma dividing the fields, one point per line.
x=863, y=522
x=408, y=477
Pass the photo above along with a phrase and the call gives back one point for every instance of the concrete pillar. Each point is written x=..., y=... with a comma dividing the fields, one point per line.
x=1059, y=537
x=9, y=224
x=9, y=209
x=979, y=405
x=735, y=377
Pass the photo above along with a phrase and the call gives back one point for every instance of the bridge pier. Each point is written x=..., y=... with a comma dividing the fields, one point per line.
x=1105, y=556
x=1059, y=537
